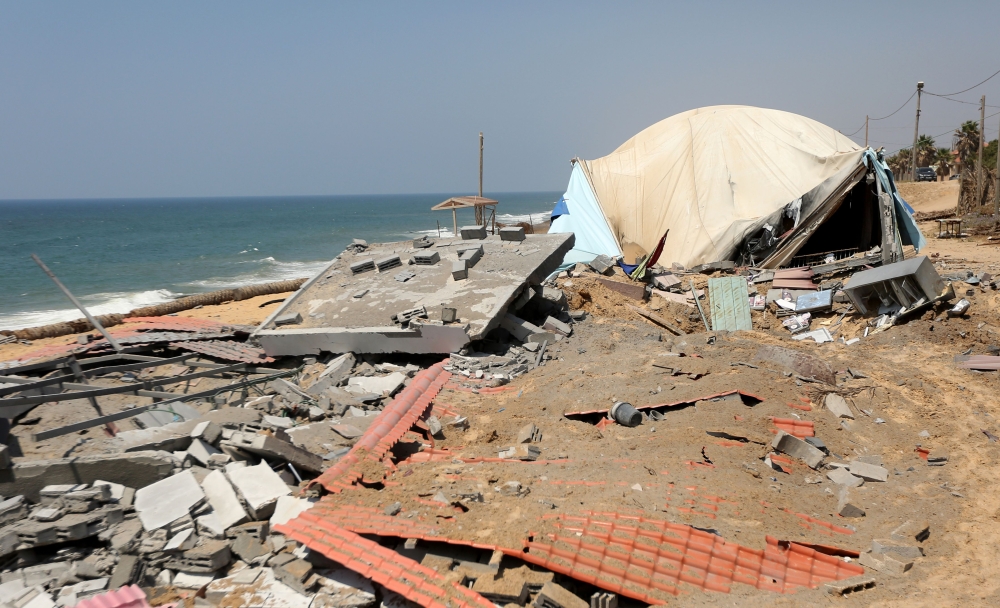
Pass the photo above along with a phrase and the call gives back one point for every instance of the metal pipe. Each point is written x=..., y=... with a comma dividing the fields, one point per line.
x=97, y=325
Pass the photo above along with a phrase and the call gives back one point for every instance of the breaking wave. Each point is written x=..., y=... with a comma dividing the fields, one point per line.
x=266, y=270
x=97, y=304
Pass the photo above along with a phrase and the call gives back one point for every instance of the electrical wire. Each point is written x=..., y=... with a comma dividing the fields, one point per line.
x=897, y=110
x=964, y=90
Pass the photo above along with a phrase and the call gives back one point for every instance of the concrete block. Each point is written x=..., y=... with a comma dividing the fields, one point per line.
x=380, y=385
x=362, y=266
x=850, y=585
x=470, y=255
x=207, y=557
x=525, y=331
x=529, y=434
x=292, y=318
x=838, y=406
x=116, y=491
x=13, y=509
x=225, y=503
x=555, y=325
x=553, y=595
x=869, y=472
x=388, y=263
x=666, y=281
x=449, y=315
x=553, y=296
x=795, y=447
x=434, y=426
x=603, y=599
x=601, y=265
x=886, y=564
x=133, y=469
x=912, y=530
x=897, y=549
x=512, y=233
x=426, y=258
x=842, y=477
x=295, y=574
x=260, y=487
x=522, y=452
x=472, y=232
x=165, y=501
x=206, y=431
x=459, y=270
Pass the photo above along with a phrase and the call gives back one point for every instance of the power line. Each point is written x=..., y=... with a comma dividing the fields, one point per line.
x=968, y=103
x=897, y=110
x=962, y=91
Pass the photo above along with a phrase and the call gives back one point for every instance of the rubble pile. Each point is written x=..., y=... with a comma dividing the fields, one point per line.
x=561, y=460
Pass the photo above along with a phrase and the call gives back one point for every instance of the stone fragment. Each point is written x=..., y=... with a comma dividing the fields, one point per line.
x=501, y=591
x=842, y=477
x=225, y=503
x=434, y=426
x=260, y=487
x=899, y=550
x=380, y=385
x=795, y=447
x=336, y=372
x=273, y=448
x=201, y=451
x=394, y=509
x=206, y=431
x=165, y=501
x=126, y=572
x=553, y=595
x=912, y=530
x=886, y=564
x=844, y=506
x=869, y=472
x=838, y=406
x=182, y=541
x=555, y=325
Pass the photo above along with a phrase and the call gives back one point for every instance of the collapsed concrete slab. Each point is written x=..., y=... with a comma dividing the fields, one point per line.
x=333, y=320
x=133, y=470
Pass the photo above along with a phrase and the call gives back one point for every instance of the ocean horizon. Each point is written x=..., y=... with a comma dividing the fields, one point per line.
x=123, y=253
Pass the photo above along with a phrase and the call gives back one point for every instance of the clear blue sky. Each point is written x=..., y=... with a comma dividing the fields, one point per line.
x=142, y=99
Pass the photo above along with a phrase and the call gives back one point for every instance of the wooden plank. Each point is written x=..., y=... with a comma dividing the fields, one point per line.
x=658, y=320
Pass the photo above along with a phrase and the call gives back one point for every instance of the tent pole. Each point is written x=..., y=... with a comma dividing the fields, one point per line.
x=454, y=219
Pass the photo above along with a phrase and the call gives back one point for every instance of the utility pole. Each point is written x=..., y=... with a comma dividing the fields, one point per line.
x=980, y=181
x=916, y=130
x=996, y=196
x=866, y=130
x=480, y=164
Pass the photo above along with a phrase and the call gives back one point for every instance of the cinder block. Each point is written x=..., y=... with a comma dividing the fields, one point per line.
x=512, y=233
x=473, y=232
x=470, y=255
x=426, y=259
x=553, y=324
x=886, y=564
x=913, y=530
x=896, y=549
x=838, y=406
x=459, y=271
x=601, y=264
x=362, y=266
x=795, y=447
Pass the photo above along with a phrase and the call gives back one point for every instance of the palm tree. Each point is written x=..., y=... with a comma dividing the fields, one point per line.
x=926, y=151
x=943, y=158
x=966, y=143
x=899, y=163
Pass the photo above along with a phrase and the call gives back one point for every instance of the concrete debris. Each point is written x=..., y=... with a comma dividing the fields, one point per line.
x=868, y=472
x=793, y=446
x=838, y=406
x=529, y=434
x=912, y=531
x=851, y=585
x=381, y=385
x=845, y=508
x=185, y=494
x=885, y=563
x=842, y=477
x=260, y=488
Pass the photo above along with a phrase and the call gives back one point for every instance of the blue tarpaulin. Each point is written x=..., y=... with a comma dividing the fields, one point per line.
x=579, y=213
x=909, y=232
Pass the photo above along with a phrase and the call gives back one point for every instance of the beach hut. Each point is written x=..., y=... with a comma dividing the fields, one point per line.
x=761, y=187
x=486, y=210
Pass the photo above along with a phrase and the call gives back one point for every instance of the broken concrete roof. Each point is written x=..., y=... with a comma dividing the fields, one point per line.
x=335, y=320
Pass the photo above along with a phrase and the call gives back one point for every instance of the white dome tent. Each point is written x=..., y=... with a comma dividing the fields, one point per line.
x=764, y=187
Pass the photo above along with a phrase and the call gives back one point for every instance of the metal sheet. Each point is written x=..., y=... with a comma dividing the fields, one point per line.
x=819, y=300
x=730, y=304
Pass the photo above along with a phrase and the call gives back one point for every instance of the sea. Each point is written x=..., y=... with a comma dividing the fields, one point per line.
x=118, y=254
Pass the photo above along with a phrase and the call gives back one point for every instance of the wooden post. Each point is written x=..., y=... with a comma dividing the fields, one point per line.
x=454, y=219
x=916, y=129
x=980, y=179
x=480, y=164
x=996, y=195
x=866, y=130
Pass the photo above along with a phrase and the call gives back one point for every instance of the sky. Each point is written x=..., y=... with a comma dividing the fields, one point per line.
x=178, y=99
